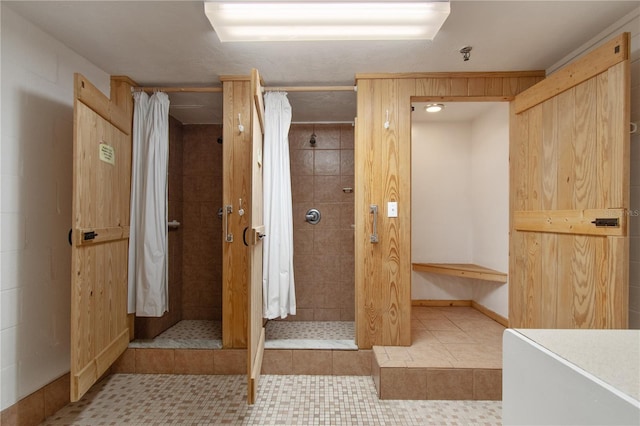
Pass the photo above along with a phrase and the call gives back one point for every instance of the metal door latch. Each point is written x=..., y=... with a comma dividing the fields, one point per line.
x=87, y=236
x=609, y=222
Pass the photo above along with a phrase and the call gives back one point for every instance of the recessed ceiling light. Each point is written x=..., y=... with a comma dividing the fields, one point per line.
x=326, y=20
x=434, y=107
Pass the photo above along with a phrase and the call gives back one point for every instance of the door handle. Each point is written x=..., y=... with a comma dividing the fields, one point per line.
x=228, y=209
x=373, y=209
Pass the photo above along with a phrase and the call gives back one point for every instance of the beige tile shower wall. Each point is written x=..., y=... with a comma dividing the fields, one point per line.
x=323, y=253
x=147, y=328
x=202, y=230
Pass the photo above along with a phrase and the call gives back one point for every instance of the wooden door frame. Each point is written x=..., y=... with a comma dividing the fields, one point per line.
x=382, y=319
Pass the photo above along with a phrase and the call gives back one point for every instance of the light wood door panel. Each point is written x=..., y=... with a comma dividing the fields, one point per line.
x=101, y=190
x=569, y=160
x=242, y=252
x=237, y=148
x=255, y=331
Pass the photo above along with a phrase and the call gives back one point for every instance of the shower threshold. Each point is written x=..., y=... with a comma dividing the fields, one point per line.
x=186, y=334
x=201, y=334
x=337, y=335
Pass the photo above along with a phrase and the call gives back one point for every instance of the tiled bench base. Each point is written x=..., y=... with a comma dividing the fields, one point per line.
x=456, y=354
x=234, y=361
x=437, y=383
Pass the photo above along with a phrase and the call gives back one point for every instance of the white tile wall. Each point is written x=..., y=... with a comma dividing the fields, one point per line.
x=35, y=204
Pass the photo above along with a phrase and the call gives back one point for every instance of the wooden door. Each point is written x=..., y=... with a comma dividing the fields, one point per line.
x=243, y=222
x=236, y=206
x=255, y=331
x=100, y=235
x=569, y=195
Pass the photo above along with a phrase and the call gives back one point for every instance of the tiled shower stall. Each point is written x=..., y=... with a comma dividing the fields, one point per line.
x=322, y=178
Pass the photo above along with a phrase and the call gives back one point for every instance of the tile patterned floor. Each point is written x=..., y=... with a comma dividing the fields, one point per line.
x=146, y=399
x=310, y=335
x=198, y=334
x=194, y=329
x=323, y=330
x=192, y=334
x=448, y=337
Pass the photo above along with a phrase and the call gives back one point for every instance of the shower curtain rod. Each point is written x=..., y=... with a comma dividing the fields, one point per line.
x=214, y=89
x=209, y=89
x=311, y=89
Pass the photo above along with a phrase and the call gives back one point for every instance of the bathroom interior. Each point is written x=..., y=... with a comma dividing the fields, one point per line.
x=322, y=173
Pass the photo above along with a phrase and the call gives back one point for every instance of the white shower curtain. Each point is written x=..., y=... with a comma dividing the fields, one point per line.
x=279, y=296
x=148, y=250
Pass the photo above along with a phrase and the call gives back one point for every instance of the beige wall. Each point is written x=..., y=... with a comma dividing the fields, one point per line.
x=35, y=204
x=460, y=205
x=323, y=253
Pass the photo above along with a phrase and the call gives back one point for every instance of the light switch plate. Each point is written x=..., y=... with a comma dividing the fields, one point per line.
x=392, y=209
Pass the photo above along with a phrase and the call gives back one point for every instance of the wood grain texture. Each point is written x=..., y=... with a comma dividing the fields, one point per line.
x=549, y=201
x=237, y=149
x=474, y=87
x=465, y=270
x=383, y=174
x=575, y=222
x=256, y=331
x=101, y=191
x=538, y=74
x=441, y=303
x=575, y=128
x=582, y=69
x=533, y=241
x=518, y=157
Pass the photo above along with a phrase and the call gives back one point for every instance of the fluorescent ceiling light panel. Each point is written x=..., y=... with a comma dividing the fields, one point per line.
x=312, y=20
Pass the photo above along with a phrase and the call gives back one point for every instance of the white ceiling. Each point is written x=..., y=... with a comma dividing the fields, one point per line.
x=171, y=43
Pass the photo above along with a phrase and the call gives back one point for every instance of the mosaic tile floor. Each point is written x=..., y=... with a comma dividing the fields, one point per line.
x=310, y=335
x=193, y=329
x=191, y=334
x=146, y=399
x=195, y=334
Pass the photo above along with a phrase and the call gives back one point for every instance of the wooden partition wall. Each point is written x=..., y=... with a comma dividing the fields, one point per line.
x=383, y=174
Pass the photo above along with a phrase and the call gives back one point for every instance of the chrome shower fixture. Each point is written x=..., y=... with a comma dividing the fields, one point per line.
x=312, y=141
